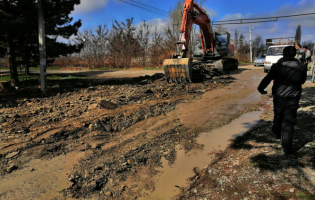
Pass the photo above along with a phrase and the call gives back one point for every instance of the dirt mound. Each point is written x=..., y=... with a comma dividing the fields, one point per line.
x=100, y=118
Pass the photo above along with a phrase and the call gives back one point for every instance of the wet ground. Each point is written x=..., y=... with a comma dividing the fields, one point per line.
x=118, y=137
x=253, y=166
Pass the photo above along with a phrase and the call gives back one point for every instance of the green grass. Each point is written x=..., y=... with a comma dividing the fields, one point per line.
x=35, y=77
x=263, y=193
x=152, y=68
x=5, y=78
x=48, y=68
x=108, y=68
x=301, y=195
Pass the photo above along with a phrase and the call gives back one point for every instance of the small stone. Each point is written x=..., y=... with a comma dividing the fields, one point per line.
x=91, y=126
x=292, y=190
x=6, y=124
x=32, y=169
x=108, y=105
x=250, y=192
x=92, y=106
x=100, y=167
x=11, y=155
x=11, y=168
x=235, y=193
x=86, y=174
x=108, y=194
x=95, y=146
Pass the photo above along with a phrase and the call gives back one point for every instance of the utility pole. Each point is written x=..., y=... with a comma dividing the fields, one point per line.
x=250, y=43
x=42, y=46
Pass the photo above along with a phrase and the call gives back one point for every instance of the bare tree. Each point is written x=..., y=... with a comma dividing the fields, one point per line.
x=95, y=46
x=220, y=29
x=308, y=44
x=176, y=18
x=123, y=44
x=243, y=49
x=298, y=34
x=258, y=45
x=143, y=37
x=236, y=40
x=157, y=49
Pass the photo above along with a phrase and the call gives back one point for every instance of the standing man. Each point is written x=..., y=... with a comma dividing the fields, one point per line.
x=308, y=57
x=288, y=74
x=300, y=53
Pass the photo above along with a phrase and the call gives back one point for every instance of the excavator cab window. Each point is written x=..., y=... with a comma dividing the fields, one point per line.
x=221, y=39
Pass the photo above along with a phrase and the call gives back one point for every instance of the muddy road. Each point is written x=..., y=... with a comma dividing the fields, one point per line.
x=113, y=137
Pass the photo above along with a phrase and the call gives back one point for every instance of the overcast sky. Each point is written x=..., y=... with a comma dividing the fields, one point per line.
x=95, y=12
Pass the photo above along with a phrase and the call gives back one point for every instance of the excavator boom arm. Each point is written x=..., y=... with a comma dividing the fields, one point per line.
x=190, y=17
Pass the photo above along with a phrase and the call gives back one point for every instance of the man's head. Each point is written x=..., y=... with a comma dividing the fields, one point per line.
x=297, y=46
x=305, y=47
x=289, y=52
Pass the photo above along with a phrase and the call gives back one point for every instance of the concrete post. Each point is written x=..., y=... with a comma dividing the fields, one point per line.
x=250, y=44
x=42, y=46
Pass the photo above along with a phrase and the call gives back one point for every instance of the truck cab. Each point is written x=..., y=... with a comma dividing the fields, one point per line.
x=274, y=53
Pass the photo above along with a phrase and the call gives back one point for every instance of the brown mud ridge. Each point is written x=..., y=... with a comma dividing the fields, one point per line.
x=104, y=121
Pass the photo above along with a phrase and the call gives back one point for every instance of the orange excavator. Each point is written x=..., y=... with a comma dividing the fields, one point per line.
x=215, y=50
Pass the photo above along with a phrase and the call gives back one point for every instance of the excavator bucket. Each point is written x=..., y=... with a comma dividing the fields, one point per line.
x=178, y=69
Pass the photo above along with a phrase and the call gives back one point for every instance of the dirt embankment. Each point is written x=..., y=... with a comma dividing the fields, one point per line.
x=107, y=139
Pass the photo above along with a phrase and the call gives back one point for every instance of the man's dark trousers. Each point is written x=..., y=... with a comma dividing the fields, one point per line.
x=285, y=117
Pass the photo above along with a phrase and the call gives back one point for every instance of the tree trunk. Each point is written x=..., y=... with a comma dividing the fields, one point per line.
x=27, y=63
x=12, y=63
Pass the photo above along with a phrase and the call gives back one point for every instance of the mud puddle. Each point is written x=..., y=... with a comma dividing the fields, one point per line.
x=175, y=176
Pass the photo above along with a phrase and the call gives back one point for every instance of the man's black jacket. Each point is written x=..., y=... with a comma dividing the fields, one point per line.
x=288, y=74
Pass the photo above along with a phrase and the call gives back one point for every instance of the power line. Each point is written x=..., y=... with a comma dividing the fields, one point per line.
x=145, y=8
x=261, y=19
x=224, y=22
x=246, y=22
x=148, y=8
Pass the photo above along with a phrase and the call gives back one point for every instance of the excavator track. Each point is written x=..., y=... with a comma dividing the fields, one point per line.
x=178, y=69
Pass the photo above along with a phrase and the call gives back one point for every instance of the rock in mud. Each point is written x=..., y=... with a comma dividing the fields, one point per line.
x=11, y=168
x=108, y=105
x=108, y=194
x=11, y=155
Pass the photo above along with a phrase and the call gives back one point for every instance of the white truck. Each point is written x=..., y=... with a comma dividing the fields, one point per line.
x=274, y=53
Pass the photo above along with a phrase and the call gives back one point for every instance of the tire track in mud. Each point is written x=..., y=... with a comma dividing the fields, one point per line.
x=122, y=144
x=121, y=178
x=50, y=127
